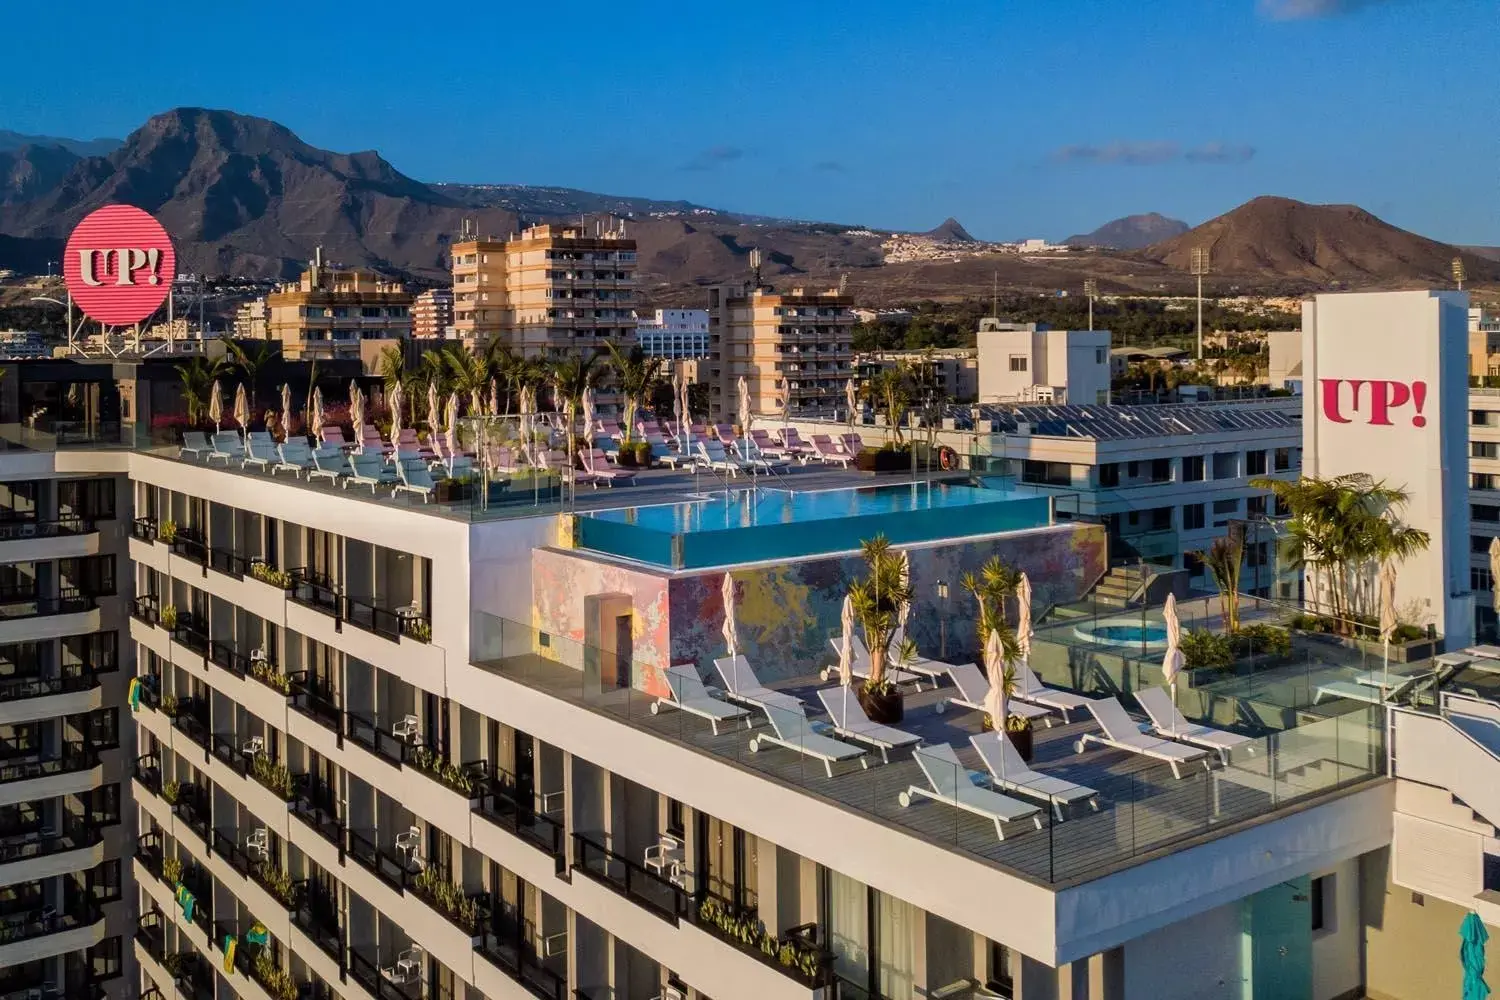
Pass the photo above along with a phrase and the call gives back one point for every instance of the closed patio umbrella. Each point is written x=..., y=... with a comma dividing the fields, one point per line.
x=357, y=410
x=731, y=635
x=476, y=402
x=684, y=417
x=850, y=400
x=317, y=413
x=744, y=390
x=1495, y=573
x=1387, y=615
x=494, y=397
x=1023, y=617
x=397, y=401
x=241, y=408
x=286, y=409
x=996, y=702
x=434, y=417
x=904, y=612
x=1172, y=661
x=216, y=404
x=588, y=418
x=1472, y=936
x=453, y=423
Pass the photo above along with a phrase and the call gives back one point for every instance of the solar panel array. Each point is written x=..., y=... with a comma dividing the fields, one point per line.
x=1109, y=423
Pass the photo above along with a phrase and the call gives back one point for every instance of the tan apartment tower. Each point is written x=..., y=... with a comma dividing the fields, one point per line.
x=432, y=314
x=552, y=290
x=795, y=341
x=329, y=310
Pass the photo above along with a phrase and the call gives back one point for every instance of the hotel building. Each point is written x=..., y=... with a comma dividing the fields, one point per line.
x=675, y=334
x=328, y=311
x=432, y=314
x=551, y=291
x=795, y=343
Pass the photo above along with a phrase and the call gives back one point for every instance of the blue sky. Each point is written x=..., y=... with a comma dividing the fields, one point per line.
x=1037, y=118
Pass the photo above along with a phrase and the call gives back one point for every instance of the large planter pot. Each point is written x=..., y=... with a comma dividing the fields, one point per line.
x=880, y=460
x=1023, y=743
x=626, y=458
x=884, y=707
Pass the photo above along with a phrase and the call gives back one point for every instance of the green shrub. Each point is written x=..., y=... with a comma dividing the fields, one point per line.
x=1202, y=648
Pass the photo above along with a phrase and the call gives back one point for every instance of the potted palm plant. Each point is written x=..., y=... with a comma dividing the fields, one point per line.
x=877, y=601
x=995, y=583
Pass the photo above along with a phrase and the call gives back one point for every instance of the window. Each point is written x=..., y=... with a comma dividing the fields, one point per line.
x=1047, y=473
x=1283, y=459
x=104, y=959
x=1192, y=468
x=1483, y=449
x=1192, y=516
x=1161, y=470
x=1255, y=507
x=1098, y=355
x=1481, y=481
x=1491, y=873
x=90, y=499
x=1255, y=463
x=1231, y=506
x=1109, y=474
x=675, y=825
x=1321, y=897
x=1480, y=579
x=1193, y=563
x=104, y=881
x=1226, y=464
x=1161, y=519
x=1479, y=543
x=1000, y=976
x=1018, y=362
x=1478, y=418
x=1484, y=512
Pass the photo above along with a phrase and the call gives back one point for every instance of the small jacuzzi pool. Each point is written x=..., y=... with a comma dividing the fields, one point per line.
x=1124, y=633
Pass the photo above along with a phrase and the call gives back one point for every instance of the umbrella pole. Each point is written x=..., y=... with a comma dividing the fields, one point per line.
x=1385, y=655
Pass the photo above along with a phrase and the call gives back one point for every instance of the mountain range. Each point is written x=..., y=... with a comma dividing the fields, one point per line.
x=245, y=196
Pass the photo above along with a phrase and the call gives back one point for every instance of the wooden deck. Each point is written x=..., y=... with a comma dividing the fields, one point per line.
x=1142, y=810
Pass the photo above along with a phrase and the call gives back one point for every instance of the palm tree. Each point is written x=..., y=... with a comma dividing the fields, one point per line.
x=570, y=375
x=391, y=366
x=469, y=373
x=637, y=374
x=198, y=375
x=890, y=390
x=877, y=601
x=251, y=361
x=1341, y=528
x=1224, y=558
x=997, y=581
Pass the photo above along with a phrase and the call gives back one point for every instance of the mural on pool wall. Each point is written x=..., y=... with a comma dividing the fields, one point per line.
x=786, y=614
x=561, y=584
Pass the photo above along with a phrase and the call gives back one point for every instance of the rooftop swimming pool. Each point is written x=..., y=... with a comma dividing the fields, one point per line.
x=757, y=525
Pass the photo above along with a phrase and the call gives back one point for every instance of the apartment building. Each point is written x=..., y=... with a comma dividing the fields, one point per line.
x=250, y=320
x=432, y=314
x=953, y=371
x=65, y=745
x=795, y=344
x=552, y=290
x=328, y=311
x=675, y=334
x=1165, y=480
x=1029, y=362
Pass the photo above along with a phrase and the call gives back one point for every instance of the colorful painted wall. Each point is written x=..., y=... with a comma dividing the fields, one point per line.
x=787, y=613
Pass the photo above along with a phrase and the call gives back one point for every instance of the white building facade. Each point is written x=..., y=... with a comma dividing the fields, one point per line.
x=1025, y=362
x=676, y=334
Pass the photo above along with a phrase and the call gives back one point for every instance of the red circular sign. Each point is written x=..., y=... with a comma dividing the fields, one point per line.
x=119, y=265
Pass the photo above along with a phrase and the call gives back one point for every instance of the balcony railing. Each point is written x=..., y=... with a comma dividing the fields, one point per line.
x=24, y=603
x=143, y=529
x=152, y=934
x=74, y=833
x=27, y=925
x=500, y=804
x=230, y=755
x=193, y=725
x=222, y=654
x=507, y=946
x=11, y=531
x=72, y=680
x=315, y=703
x=148, y=772
x=394, y=871
x=146, y=608
x=75, y=756
x=645, y=888
x=192, y=808
x=369, y=976
x=378, y=741
x=315, y=590
x=313, y=917
x=316, y=804
x=228, y=562
x=191, y=634
x=190, y=544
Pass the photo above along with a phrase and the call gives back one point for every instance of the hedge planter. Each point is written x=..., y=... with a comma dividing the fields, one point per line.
x=883, y=460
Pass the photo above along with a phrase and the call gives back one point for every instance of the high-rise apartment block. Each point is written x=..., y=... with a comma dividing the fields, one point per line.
x=329, y=310
x=552, y=290
x=795, y=343
x=676, y=334
x=432, y=314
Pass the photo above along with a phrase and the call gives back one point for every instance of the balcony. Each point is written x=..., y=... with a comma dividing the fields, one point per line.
x=148, y=772
x=151, y=933
x=146, y=609
x=189, y=543
x=317, y=918
x=395, y=872
x=143, y=529
x=24, y=699
x=30, y=765
x=312, y=701
x=648, y=890
x=228, y=562
x=19, y=603
x=506, y=944
x=499, y=803
x=191, y=719
x=316, y=805
x=380, y=742
x=315, y=590
x=368, y=974
x=37, y=851
x=66, y=537
x=33, y=933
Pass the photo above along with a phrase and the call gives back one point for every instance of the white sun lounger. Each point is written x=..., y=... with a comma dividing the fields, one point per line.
x=1369, y=694
x=414, y=479
x=849, y=719
x=824, y=450
x=741, y=685
x=974, y=689
x=861, y=666
x=195, y=443
x=1009, y=772
x=1122, y=733
x=228, y=446
x=933, y=670
x=368, y=470
x=790, y=729
x=1169, y=723
x=711, y=454
x=949, y=781
x=1029, y=687
x=691, y=695
x=329, y=463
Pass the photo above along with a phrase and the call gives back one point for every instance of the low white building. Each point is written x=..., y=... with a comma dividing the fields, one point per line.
x=1027, y=362
x=674, y=333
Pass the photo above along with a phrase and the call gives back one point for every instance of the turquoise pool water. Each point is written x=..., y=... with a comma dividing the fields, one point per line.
x=1151, y=635
x=757, y=525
